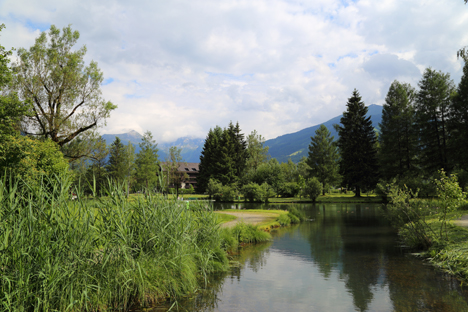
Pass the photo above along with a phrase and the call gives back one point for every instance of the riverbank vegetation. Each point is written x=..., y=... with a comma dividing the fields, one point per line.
x=63, y=254
x=426, y=225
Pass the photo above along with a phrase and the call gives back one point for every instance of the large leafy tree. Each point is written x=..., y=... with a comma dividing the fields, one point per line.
x=432, y=116
x=398, y=136
x=458, y=125
x=257, y=153
x=358, y=162
x=323, y=157
x=64, y=93
x=147, y=162
x=171, y=167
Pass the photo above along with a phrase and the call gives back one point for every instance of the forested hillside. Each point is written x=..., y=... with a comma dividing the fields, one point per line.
x=295, y=145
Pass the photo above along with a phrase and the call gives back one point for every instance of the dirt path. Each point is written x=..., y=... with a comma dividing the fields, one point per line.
x=463, y=221
x=248, y=217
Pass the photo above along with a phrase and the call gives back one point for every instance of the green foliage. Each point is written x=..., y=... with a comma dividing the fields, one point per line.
x=116, y=166
x=223, y=156
x=147, y=163
x=398, y=136
x=65, y=93
x=31, y=159
x=323, y=157
x=249, y=234
x=313, y=188
x=227, y=193
x=284, y=220
x=358, y=163
x=458, y=125
x=257, y=154
x=451, y=196
x=432, y=119
x=214, y=187
x=289, y=189
x=108, y=254
x=269, y=172
x=174, y=177
x=252, y=192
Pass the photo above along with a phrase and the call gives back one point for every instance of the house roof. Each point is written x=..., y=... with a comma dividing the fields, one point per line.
x=185, y=167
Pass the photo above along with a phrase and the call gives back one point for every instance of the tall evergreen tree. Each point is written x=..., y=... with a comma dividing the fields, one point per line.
x=458, y=125
x=358, y=163
x=432, y=115
x=116, y=166
x=147, y=162
x=225, y=165
x=209, y=156
x=398, y=136
x=239, y=149
x=323, y=157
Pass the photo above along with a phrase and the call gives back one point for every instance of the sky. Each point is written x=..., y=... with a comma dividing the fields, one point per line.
x=178, y=68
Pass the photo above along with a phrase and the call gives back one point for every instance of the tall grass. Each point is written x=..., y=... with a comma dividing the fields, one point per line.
x=58, y=254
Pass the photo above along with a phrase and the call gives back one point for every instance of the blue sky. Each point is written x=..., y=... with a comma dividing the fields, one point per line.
x=179, y=68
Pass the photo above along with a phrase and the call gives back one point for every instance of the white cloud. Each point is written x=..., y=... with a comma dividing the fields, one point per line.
x=178, y=68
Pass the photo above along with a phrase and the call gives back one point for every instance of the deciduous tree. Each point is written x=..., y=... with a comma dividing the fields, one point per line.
x=65, y=93
x=147, y=162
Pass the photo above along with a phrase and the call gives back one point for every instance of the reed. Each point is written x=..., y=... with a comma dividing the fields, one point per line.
x=58, y=254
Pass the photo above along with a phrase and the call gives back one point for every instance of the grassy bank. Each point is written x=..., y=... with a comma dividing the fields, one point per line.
x=63, y=255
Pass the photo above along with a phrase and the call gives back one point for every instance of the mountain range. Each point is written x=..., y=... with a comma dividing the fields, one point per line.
x=292, y=145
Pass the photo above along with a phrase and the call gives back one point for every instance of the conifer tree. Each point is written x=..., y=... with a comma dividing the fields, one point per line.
x=358, y=163
x=116, y=166
x=432, y=116
x=323, y=157
x=398, y=136
x=208, y=158
x=458, y=125
x=147, y=162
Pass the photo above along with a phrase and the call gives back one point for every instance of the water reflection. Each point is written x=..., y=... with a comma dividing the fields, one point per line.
x=346, y=259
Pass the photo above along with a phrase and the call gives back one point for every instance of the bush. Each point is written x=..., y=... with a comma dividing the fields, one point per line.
x=295, y=215
x=226, y=194
x=284, y=220
x=189, y=190
x=252, y=192
x=289, y=189
x=214, y=187
x=313, y=188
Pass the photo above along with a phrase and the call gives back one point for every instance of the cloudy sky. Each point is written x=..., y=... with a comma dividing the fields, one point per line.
x=179, y=68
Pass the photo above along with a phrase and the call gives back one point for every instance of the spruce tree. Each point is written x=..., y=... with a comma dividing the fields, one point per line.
x=458, y=125
x=116, y=167
x=398, y=136
x=208, y=158
x=432, y=116
x=358, y=163
x=323, y=157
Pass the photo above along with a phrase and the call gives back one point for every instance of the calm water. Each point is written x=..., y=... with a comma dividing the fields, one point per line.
x=347, y=259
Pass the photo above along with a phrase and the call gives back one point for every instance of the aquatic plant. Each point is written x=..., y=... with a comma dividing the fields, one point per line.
x=108, y=253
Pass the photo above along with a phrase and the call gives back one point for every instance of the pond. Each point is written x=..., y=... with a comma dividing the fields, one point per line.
x=347, y=259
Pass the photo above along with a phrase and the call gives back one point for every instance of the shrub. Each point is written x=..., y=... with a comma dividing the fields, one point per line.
x=214, y=187
x=313, y=188
x=289, y=189
x=226, y=194
x=284, y=220
x=252, y=192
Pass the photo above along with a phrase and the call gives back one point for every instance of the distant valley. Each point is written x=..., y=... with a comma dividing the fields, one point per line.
x=293, y=145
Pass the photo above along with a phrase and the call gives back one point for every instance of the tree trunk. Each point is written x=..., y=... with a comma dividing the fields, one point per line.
x=358, y=192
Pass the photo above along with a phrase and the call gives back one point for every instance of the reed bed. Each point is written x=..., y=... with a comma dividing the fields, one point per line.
x=58, y=254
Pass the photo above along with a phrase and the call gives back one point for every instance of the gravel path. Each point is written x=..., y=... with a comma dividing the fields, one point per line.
x=248, y=217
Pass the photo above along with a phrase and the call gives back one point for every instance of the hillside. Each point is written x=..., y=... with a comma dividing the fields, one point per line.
x=296, y=145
